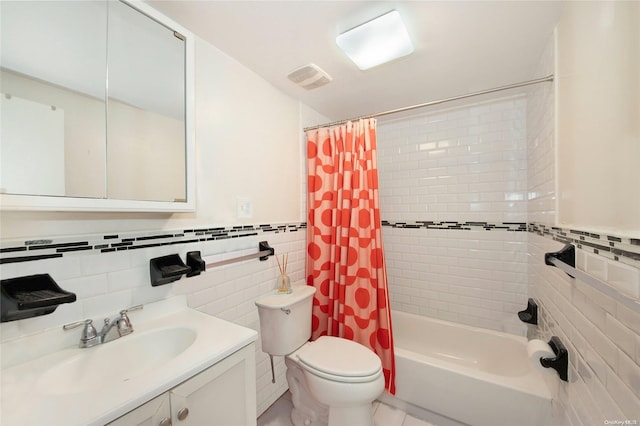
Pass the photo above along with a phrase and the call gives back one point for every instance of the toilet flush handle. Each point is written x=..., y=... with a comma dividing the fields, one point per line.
x=286, y=310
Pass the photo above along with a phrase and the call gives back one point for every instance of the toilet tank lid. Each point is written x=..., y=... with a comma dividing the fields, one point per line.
x=279, y=300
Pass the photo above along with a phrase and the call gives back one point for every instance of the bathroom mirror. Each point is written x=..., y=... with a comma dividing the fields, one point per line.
x=95, y=108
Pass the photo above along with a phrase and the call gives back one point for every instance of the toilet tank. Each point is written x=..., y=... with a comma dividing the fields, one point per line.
x=285, y=320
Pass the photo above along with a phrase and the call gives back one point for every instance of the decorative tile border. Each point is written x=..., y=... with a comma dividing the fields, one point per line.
x=623, y=249
x=464, y=226
x=38, y=249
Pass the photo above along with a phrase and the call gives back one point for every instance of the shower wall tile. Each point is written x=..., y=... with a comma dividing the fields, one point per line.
x=604, y=368
x=471, y=277
x=461, y=164
x=601, y=334
x=107, y=282
x=456, y=174
x=541, y=205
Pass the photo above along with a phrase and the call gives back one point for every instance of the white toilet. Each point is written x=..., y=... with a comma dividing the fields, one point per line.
x=333, y=381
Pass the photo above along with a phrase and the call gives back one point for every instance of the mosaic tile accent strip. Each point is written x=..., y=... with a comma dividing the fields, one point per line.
x=30, y=250
x=464, y=226
x=622, y=249
x=625, y=250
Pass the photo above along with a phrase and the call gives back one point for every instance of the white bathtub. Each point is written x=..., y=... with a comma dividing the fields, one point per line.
x=456, y=374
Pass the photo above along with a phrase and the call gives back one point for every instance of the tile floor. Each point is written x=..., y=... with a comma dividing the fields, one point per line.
x=383, y=415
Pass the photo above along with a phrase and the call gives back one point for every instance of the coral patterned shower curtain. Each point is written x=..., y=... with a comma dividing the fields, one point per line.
x=345, y=260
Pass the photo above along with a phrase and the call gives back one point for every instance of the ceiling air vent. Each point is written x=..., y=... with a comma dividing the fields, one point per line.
x=309, y=76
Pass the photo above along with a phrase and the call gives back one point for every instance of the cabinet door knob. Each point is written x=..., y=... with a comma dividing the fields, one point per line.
x=165, y=422
x=183, y=413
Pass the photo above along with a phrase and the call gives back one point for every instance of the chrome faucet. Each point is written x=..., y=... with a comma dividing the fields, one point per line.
x=90, y=337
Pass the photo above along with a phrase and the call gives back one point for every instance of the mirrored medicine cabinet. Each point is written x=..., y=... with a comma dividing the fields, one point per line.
x=96, y=108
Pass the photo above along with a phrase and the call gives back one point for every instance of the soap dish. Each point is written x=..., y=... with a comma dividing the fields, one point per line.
x=31, y=296
x=166, y=269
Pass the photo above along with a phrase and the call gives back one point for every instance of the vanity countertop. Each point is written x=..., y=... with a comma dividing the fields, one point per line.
x=31, y=397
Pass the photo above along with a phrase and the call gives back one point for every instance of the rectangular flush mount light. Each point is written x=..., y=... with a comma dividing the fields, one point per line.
x=376, y=42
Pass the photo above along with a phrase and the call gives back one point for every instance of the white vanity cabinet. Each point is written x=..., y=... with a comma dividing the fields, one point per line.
x=153, y=413
x=177, y=358
x=223, y=394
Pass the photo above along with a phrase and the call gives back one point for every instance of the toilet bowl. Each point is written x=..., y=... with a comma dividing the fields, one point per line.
x=333, y=381
x=343, y=375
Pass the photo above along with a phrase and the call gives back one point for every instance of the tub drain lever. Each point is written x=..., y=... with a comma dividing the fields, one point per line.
x=561, y=361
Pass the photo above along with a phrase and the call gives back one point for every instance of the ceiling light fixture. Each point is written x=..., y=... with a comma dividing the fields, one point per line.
x=376, y=42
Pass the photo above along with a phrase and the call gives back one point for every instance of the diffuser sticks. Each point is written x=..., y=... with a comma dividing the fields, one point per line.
x=284, y=283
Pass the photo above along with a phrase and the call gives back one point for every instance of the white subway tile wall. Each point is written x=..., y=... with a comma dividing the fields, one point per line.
x=462, y=164
x=601, y=335
x=471, y=277
x=541, y=185
x=105, y=283
x=230, y=294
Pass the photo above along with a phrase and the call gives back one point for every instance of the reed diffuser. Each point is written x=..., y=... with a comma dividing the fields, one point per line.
x=284, y=283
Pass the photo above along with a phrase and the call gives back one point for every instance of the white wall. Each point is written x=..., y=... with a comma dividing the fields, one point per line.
x=601, y=335
x=247, y=135
x=598, y=65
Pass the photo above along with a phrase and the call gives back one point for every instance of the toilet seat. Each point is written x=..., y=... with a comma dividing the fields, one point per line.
x=340, y=360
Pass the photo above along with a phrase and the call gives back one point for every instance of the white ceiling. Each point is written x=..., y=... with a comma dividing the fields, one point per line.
x=460, y=46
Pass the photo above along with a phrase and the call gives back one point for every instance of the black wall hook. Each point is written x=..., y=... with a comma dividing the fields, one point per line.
x=566, y=255
x=561, y=361
x=264, y=246
x=529, y=315
x=195, y=262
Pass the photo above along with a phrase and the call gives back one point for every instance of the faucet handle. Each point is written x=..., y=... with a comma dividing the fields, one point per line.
x=124, y=323
x=89, y=335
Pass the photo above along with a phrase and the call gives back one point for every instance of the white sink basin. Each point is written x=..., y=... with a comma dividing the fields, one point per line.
x=115, y=362
x=53, y=382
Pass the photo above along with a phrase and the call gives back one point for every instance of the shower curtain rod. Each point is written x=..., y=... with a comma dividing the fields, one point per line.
x=426, y=104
